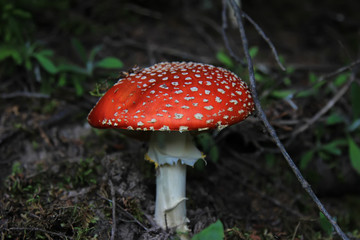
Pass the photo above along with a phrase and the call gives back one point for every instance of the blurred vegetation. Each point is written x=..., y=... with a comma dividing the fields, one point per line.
x=21, y=47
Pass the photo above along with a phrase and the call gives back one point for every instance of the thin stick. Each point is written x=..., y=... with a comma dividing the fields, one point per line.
x=134, y=218
x=38, y=230
x=113, y=200
x=226, y=40
x=340, y=70
x=271, y=130
x=326, y=108
x=267, y=40
x=296, y=229
x=129, y=215
x=24, y=94
x=258, y=29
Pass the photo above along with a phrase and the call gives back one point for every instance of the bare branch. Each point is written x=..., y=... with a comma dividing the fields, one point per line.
x=23, y=94
x=340, y=70
x=226, y=40
x=134, y=218
x=113, y=200
x=258, y=29
x=30, y=229
x=326, y=108
x=267, y=40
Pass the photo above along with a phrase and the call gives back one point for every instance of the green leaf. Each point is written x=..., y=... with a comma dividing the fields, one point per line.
x=305, y=159
x=22, y=13
x=282, y=93
x=313, y=78
x=46, y=63
x=318, y=85
x=290, y=70
x=341, y=79
x=79, y=88
x=225, y=59
x=354, y=153
x=208, y=145
x=16, y=168
x=305, y=93
x=89, y=68
x=333, y=146
x=200, y=165
x=62, y=80
x=93, y=53
x=253, y=51
x=334, y=118
x=259, y=77
x=96, y=91
x=325, y=224
x=311, y=91
x=213, y=232
x=8, y=51
x=354, y=125
x=79, y=48
x=214, y=153
x=69, y=67
x=28, y=64
x=110, y=63
x=46, y=52
x=287, y=81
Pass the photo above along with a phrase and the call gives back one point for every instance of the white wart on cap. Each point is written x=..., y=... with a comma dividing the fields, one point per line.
x=174, y=96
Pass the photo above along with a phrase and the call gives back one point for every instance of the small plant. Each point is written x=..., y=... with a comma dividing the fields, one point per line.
x=325, y=151
x=77, y=74
x=207, y=145
x=225, y=59
x=84, y=173
x=214, y=231
x=132, y=206
x=325, y=224
x=18, y=49
x=15, y=23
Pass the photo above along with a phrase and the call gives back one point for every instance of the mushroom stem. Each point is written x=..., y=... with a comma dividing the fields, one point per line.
x=171, y=152
x=170, y=207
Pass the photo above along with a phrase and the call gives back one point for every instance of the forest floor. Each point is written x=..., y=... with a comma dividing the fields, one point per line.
x=59, y=176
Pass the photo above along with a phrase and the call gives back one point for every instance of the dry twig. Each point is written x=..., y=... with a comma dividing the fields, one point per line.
x=295, y=231
x=267, y=40
x=30, y=229
x=226, y=40
x=134, y=219
x=113, y=200
x=271, y=130
x=326, y=108
x=257, y=28
x=24, y=94
x=340, y=70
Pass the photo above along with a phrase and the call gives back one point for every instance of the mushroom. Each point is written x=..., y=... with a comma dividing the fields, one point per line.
x=170, y=101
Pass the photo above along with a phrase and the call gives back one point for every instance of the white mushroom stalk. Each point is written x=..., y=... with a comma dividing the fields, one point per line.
x=171, y=152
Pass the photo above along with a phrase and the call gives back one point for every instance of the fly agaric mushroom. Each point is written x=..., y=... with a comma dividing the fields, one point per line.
x=169, y=101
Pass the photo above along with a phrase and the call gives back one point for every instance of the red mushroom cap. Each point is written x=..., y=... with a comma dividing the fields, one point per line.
x=177, y=96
